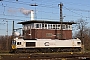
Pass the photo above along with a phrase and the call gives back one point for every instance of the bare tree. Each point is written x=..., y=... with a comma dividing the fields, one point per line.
x=3, y=43
x=87, y=38
x=81, y=26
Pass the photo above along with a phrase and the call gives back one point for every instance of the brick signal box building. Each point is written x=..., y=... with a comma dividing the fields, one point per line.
x=37, y=29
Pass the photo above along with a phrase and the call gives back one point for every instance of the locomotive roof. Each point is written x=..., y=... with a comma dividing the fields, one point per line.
x=42, y=21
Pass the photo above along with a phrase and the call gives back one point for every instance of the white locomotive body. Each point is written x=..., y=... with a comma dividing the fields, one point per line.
x=46, y=45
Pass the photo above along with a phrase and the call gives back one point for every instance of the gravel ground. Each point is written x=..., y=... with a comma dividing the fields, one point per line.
x=45, y=56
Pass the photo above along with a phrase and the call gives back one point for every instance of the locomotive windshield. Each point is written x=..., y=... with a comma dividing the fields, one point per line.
x=13, y=42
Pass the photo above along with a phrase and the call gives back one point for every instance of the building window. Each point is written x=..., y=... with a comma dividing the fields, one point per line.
x=25, y=27
x=63, y=26
x=28, y=27
x=48, y=34
x=37, y=25
x=49, y=26
x=69, y=26
x=54, y=27
x=42, y=25
x=66, y=26
x=58, y=25
x=18, y=43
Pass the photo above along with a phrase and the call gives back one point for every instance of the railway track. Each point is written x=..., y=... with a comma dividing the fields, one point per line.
x=45, y=56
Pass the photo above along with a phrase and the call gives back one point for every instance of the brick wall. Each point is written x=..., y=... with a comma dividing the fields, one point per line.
x=47, y=34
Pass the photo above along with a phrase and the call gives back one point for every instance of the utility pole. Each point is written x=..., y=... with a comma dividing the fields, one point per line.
x=82, y=38
x=12, y=35
x=7, y=28
x=61, y=20
x=7, y=36
x=13, y=30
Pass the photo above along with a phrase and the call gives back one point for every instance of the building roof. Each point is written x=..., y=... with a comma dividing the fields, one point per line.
x=42, y=21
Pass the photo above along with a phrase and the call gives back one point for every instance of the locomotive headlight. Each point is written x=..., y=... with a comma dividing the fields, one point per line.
x=13, y=46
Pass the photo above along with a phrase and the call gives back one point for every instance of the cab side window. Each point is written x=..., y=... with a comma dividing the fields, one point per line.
x=78, y=43
x=18, y=43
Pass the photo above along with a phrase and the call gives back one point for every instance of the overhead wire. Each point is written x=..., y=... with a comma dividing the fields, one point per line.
x=43, y=5
x=70, y=3
x=18, y=16
x=40, y=11
x=48, y=12
x=24, y=3
x=73, y=11
x=82, y=10
x=11, y=19
x=40, y=5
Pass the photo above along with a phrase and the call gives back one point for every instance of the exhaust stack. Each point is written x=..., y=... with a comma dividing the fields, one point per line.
x=32, y=14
